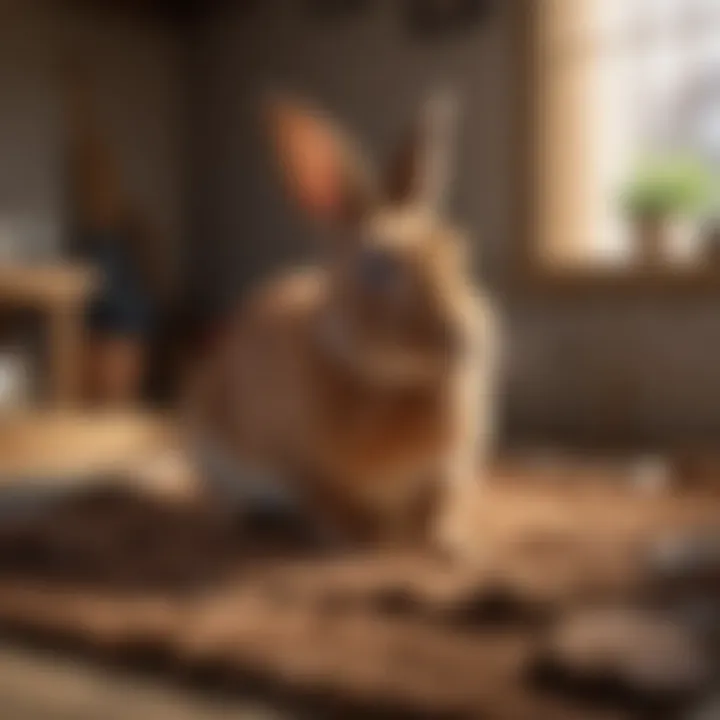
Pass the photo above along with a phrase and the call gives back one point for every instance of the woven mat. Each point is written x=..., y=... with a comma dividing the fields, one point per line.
x=161, y=585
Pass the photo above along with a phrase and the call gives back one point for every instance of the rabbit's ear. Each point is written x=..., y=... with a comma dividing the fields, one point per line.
x=421, y=172
x=323, y=171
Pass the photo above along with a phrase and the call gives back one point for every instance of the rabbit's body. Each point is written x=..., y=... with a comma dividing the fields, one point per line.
x=284, y=396
x=370, y=408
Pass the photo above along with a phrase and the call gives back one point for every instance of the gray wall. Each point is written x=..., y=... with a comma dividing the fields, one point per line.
x=642, y=368
x=138, y=67
x=638, y=369
x=365, y=71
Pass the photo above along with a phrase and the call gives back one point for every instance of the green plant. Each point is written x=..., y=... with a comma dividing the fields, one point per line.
x=665, y=187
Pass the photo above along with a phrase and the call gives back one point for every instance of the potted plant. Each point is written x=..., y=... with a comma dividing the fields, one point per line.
x=662, y=193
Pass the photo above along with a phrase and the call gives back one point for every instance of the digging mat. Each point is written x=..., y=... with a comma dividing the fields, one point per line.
x=160, y=586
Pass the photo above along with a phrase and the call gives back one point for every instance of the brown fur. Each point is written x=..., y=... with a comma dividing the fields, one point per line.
x=375, y=411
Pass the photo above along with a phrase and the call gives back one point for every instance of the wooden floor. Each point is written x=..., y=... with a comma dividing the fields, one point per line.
x=62, y=450
x=554, y=536
x=42, y=687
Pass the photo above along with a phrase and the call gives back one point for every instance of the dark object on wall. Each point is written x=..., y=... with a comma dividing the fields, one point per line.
x=335, y=8
x=435, y=18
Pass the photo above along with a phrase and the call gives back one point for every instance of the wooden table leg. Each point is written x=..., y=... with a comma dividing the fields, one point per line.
x=65, y=346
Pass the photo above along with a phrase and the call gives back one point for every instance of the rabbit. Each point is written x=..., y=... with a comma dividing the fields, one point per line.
x=360, y=389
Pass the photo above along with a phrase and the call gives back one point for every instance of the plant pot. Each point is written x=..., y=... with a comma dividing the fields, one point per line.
x=653, y=235
x=711, y=245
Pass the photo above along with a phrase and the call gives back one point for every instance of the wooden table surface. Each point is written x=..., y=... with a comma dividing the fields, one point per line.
x=38, y=445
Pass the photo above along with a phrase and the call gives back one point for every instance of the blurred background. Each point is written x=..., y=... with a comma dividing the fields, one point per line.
x=138, y=203
x=586, y=174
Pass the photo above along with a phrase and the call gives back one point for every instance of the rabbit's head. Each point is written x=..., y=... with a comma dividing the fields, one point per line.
x=399, y=280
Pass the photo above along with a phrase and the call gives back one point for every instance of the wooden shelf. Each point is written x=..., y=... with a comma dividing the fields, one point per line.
x=61, y=284
x=586, y=280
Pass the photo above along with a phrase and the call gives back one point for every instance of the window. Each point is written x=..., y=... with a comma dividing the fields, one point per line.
x=627, y=131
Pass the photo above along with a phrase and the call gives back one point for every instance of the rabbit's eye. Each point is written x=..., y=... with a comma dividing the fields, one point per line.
x=379, y=271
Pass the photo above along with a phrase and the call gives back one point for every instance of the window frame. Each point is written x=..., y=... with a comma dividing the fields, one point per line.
x=533, y=274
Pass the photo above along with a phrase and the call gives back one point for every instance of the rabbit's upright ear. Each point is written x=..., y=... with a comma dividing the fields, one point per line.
x=421, y=172
x=322, y=169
